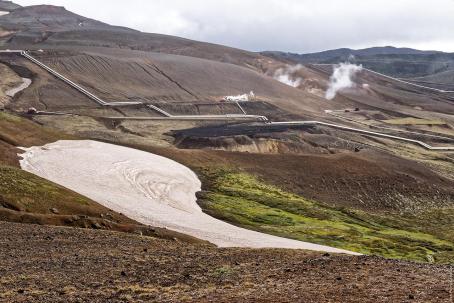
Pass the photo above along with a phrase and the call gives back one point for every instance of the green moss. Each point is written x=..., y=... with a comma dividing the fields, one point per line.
x=19, y=131
x=223, y=271
x=9, y=118
x=245, y=201
x=34, y=194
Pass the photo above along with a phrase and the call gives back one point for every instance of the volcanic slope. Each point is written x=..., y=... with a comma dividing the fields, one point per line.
x=153, y=78
x=52, y=26
x=382, y=100
x=442, y=80
x=375, y=92
x=173, y=78
x=376, y=97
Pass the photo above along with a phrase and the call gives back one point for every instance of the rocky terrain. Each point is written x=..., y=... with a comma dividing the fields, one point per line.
x=54, y=264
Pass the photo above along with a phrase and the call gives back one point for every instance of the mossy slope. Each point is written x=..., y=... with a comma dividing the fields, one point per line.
x=245, y=201
x=26, y=192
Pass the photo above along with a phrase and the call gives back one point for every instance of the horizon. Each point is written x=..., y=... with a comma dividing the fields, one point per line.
x=273, y=27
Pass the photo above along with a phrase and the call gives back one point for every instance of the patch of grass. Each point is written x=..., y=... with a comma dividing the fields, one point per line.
x=245, y=201
x=34, y=194
x=223, y=271
x=22, y=191
x=19, y=131
x=9, y=118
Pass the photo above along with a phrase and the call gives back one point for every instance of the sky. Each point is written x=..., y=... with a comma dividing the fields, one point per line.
x=299, y=26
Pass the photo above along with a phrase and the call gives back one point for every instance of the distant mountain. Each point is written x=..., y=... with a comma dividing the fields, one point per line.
x=38, y=19
x=8, y=6
x=346, y=53
x=399, y=62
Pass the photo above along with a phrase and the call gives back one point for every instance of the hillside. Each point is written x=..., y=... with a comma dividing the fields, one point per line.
x=441, y=80
x=26, y=198
x=8, y=6
x=45, y=25
x=369, y=171
x=167, y=64
x=186, y=85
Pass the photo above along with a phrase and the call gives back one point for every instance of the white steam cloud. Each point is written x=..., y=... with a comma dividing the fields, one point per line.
x=286, y=75
x=342, y=78
x=240, y=98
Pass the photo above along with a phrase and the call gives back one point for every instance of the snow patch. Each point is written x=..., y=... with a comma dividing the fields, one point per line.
x=145, y=187
x=25, y=83
x=3, y=13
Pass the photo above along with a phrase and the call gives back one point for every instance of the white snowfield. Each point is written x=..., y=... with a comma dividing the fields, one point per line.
x=25, y=83
x=148, y=188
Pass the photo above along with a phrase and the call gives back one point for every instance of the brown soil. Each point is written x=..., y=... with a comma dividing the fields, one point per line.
x=15, y=131
x=50, y=264
x=9, y=154
x=154, y=77
x=370, y=179
x=51, y=26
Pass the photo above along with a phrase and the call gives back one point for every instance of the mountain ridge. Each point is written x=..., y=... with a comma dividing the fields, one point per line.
x=398, y=62
x=8, y=6
x=47, y=25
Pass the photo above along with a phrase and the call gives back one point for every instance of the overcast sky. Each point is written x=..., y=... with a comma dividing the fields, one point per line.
x=288, y=25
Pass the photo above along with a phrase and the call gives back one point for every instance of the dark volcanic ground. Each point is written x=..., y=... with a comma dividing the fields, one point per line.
x=53, y=264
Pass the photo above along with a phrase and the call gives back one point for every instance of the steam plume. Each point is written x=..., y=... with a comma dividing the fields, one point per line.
x=285, y=75
x=342, y=78
x=240, y=98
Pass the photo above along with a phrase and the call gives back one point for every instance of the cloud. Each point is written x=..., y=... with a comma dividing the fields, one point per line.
x=342, y=78
x=287, y=25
